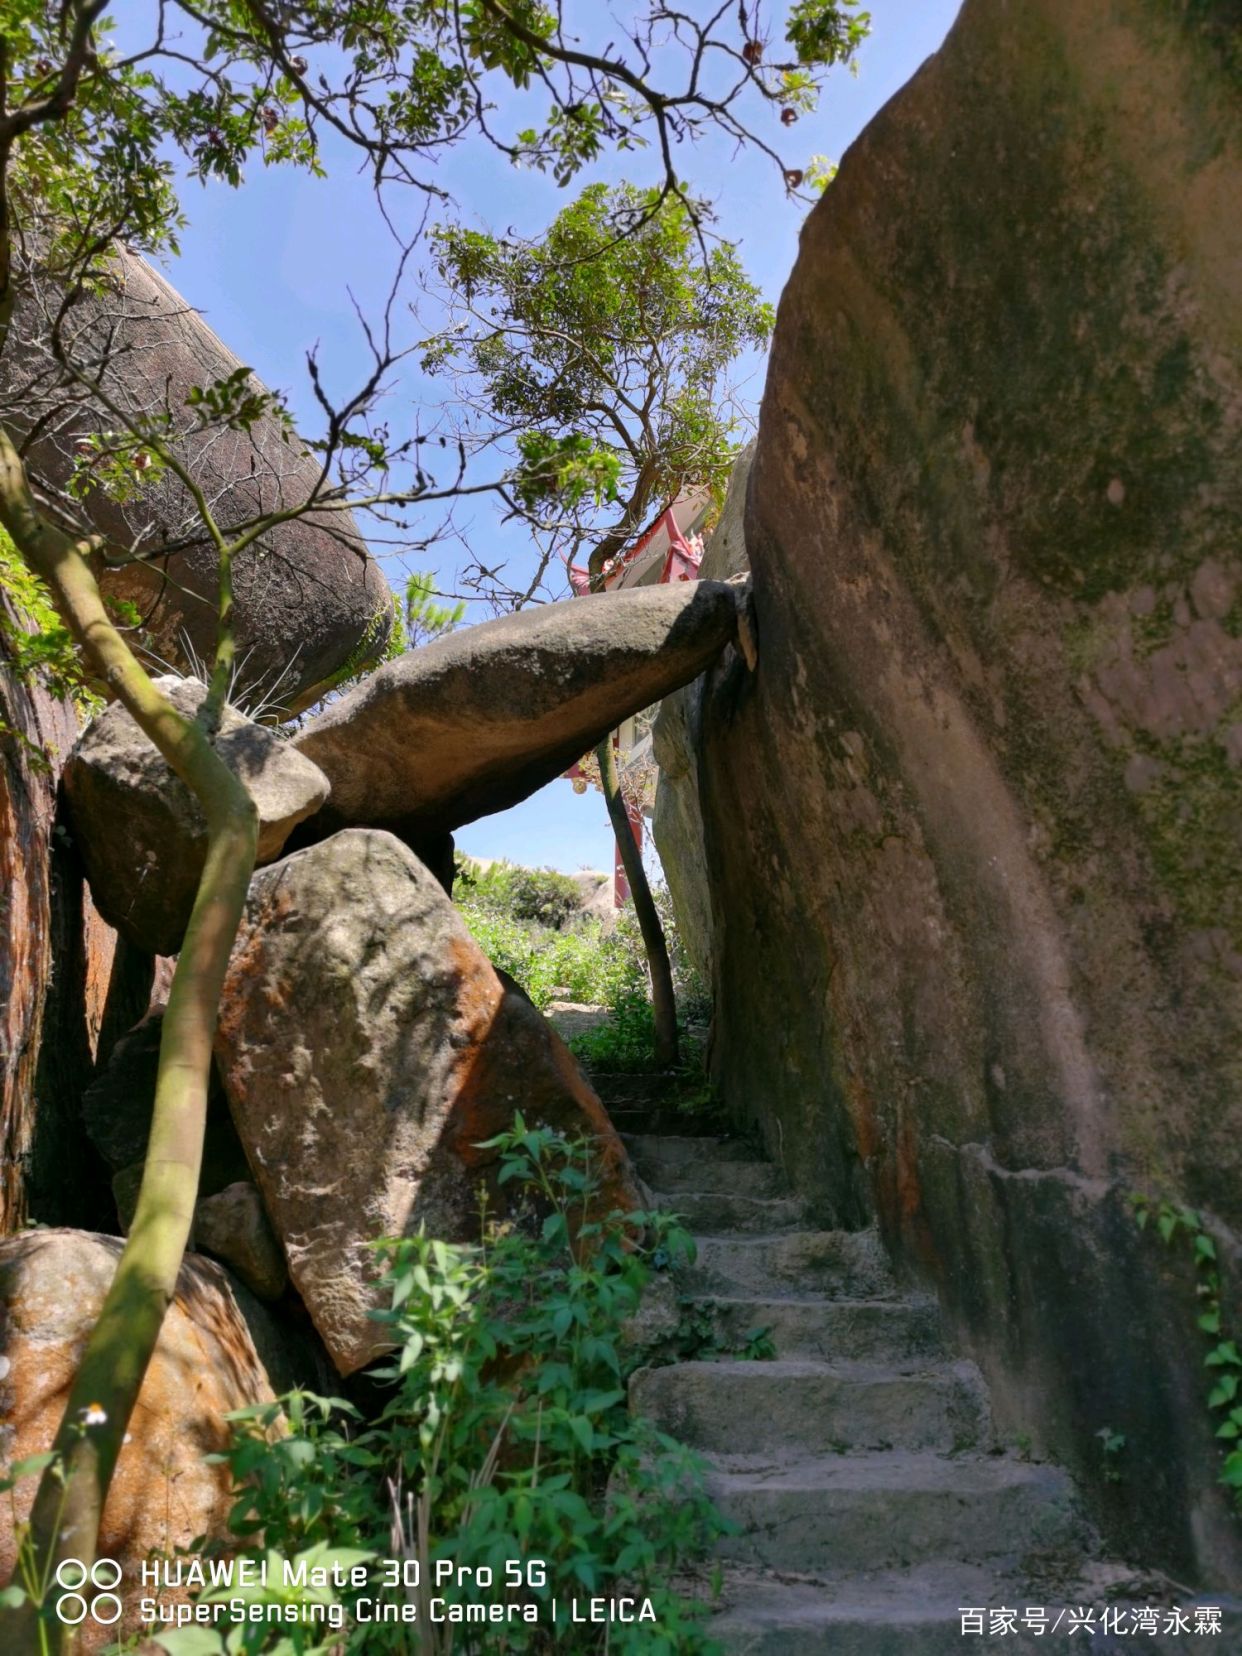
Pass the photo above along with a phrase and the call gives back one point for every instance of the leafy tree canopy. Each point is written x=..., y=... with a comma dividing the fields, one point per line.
x=228, y=80
x=599, y=355
x=95, y=141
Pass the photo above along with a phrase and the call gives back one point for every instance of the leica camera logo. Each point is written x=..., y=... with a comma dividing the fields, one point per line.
x=87, y=1590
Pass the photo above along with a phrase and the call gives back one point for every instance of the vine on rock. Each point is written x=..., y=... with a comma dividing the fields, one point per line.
x=1223, y=1359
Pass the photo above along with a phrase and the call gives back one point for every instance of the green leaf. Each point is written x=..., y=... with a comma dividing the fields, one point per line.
x=189, y=1641
x=1224, y=1392
x=597, y=1402
x=29, y=1467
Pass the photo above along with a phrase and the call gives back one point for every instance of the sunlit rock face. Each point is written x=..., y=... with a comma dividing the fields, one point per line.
x=308, y=597
x=477, y=721
x=143, y=834
x=677, y=822
x=975, y=826
x=218, y=1350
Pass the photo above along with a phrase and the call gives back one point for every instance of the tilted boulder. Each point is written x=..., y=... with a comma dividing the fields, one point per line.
x=476, y=721
x=140, y=830
x=218, y=1350
x=975, y=825
x=308, y=598
x=368, y=1047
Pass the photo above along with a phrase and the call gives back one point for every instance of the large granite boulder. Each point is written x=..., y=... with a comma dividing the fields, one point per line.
x=140, y=830
x=218, y=1350
x=677, y=820
x=975, y=825
x=476, y=721
x=368, y=1048
x=309, y=599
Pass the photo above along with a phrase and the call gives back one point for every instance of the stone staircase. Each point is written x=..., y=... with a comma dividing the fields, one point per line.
x=860, y=1465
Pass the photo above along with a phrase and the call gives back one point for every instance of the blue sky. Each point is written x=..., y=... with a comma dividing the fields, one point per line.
x=277, y=265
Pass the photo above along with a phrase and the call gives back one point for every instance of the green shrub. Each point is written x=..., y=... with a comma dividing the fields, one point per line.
x=626, y=1043
x=539, y=895
x=35, y=644
x=504, y=1444
x=589, y=963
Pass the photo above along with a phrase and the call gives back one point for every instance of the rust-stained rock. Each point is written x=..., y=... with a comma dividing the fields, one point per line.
x=367, y=1048
x=308, y=597
x=142, y=833
x=476, y=721
x=975, y=825
x=51, y=1020
x=218, y=1350
x=31, y=723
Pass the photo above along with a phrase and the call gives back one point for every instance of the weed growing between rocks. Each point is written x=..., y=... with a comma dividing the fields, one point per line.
x=33, y=1582
x=503, y=1471
x=697, y=1337
x=520, y=919
x=623, y=1045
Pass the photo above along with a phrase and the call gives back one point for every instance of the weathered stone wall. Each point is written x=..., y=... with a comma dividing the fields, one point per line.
x=63, y=984
x=677, y=821
x=975, y=826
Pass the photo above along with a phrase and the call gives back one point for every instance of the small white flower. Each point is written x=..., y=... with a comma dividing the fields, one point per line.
x=5, y=1366
x=94, y=1414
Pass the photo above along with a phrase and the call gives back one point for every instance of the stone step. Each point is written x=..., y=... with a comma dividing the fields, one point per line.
x=892, y=1330
x=724, y=1166
x=794, y=1407
x=889, y=1511
x=713, y=1212
x=844, y=1264
x=917, y=1612
x=688, y=1148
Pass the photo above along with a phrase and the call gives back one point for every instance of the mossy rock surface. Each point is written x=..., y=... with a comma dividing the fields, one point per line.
x=974, y=829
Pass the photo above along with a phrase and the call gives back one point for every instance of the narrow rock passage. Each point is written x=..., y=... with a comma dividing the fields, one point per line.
x=873, y=1502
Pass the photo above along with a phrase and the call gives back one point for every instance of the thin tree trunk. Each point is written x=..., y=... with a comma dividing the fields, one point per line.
x=664, y=1001
x=617, y=539
x=70, y=1499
